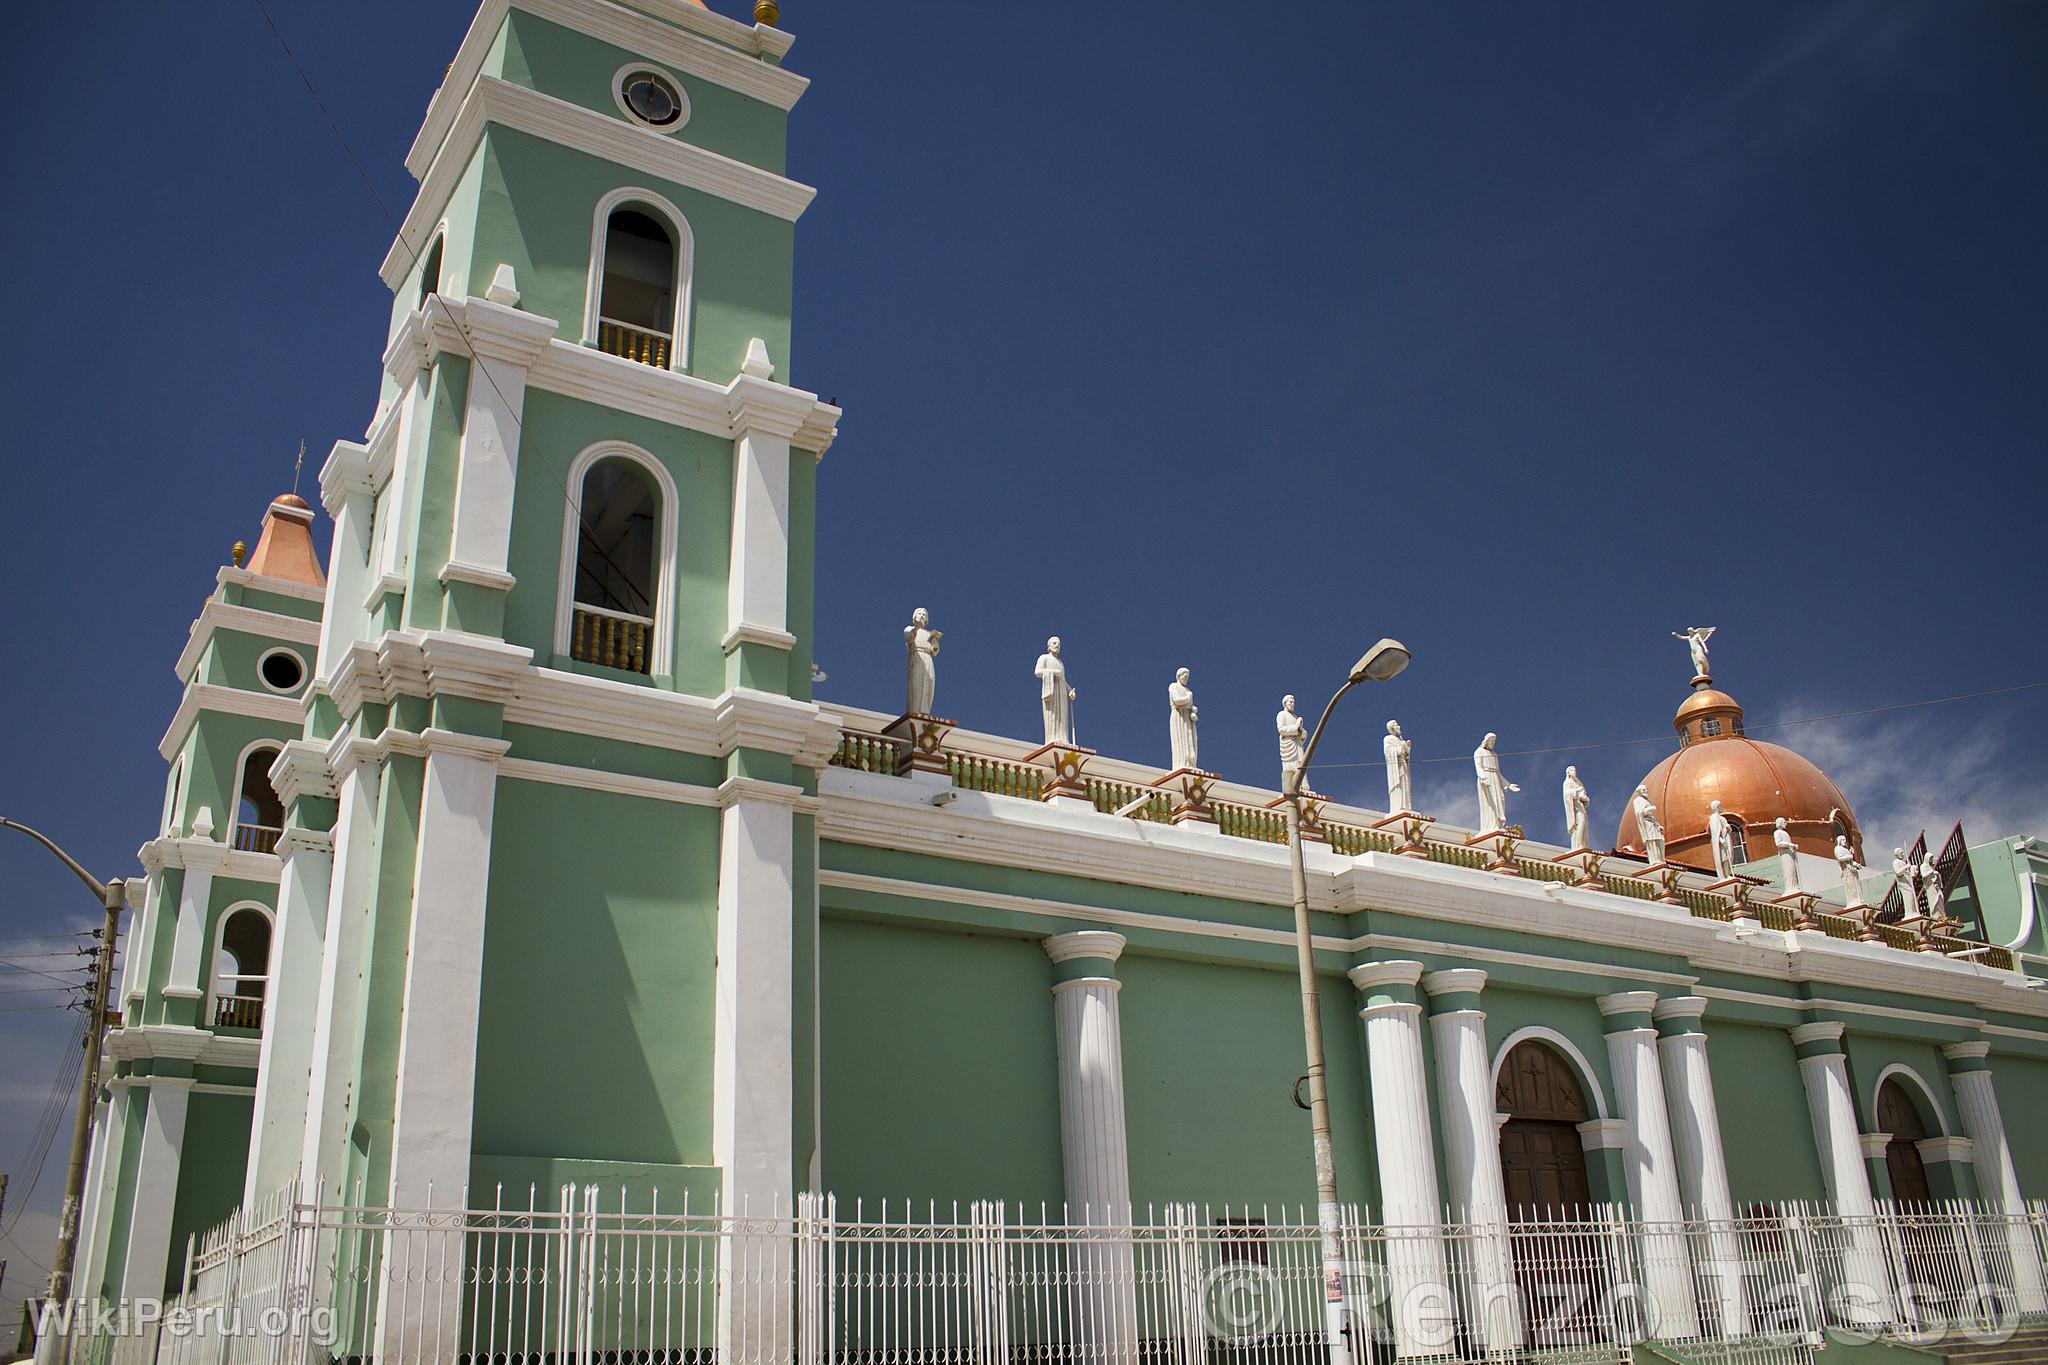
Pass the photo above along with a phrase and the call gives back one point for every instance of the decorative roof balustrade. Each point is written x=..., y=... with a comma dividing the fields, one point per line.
x=1012, y=776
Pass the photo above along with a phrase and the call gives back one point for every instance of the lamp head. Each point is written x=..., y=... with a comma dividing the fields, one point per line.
x=1381, y=662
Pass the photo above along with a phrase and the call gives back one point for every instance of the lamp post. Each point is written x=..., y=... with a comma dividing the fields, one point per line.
x=113, y=897
x=1377, y=664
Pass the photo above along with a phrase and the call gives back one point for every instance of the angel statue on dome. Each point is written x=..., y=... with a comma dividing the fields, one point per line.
x=1696, y=638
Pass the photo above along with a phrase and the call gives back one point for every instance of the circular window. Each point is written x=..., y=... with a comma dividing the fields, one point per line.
x=281, y=671
x=650, y=98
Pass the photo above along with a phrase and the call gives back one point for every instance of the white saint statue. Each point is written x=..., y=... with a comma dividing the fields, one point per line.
x=1788, y=858
x=1721, y=839
x=1932, y=889
x=1400, y=775
x=1180, y=721
x=1852, y=871
x=1648, y=827
x=1577, y=802
x=1493, y=786
x=1695, y=638
x=1055, y=698
x=1293, y=738
x=1902, y=878
x=921, y=643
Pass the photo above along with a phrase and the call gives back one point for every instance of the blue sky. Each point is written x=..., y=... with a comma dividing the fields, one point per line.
x=1224, y=336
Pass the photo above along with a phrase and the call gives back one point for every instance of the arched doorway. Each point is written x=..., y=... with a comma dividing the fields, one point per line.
x=1899, y=1116
x=1543, y=1167
x=1542, y=1159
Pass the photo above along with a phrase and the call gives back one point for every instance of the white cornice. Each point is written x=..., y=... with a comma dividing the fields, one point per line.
x=346, y=471
x=233, y=701
x=707, y=53
x=734, y=790
x=281, y=587
x=609, y=138
x=208, y=855
x=589, y=375
x=301, y=772
x=175, y=1043
x=219, y=615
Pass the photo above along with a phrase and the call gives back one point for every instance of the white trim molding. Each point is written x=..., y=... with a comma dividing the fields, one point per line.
x=232, y=701
x=1956, y=1149
x=217, y=615
x=661, y=652
x=1544, y=1034
x=1920, y=1082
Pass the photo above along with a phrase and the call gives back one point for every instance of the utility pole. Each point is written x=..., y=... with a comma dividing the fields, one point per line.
x=113, y=898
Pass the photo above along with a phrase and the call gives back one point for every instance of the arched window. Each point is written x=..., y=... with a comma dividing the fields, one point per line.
x=636, y=300
x=1738, y=838
x=259, y=815
x=618, y=519
x=173, y=789
x=430, y=274
x=241, y=968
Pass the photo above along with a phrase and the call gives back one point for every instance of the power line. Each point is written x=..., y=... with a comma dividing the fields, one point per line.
x=1761, y=725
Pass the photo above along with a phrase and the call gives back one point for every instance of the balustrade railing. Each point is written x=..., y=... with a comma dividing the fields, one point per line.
x=615, y=639
x=238, y=1011
x=868, y=752
x=256, y=838
x=643, y=344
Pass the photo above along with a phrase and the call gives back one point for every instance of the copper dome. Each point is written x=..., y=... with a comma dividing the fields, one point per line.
x=1752, y=779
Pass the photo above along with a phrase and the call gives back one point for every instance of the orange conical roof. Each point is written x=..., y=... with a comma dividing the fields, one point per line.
x=285, y=549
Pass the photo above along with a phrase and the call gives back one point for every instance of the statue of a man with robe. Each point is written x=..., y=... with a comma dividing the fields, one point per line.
x=1648, y=827
x=1578, y=803
x=921, y=644
x=1493, y=786
x=1400, y=772
x=1180, y=720
x=1721, y=839
x=1293, y=733
x=1852, y=872
x=1055, y=697
x=1788, y=858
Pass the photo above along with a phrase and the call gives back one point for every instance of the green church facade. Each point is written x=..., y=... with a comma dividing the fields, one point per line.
x=548, y=869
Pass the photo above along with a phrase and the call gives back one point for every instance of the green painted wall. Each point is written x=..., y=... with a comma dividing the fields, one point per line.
x=599, y=975
x=230, y=660
x=213, y=1160
x=940, y=1079
x=1869, y=1055
x=554, y=431
x=1211, y=1054
x=1766, y=1132
x=2023, y=1100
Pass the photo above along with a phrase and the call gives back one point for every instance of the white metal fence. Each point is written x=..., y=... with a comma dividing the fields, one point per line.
x=588, y=1278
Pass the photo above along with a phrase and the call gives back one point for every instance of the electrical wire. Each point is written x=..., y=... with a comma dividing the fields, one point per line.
x=1761, y=725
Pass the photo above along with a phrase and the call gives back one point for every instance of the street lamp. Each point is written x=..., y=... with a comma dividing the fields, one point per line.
x=112, y=896
x=1377, y=664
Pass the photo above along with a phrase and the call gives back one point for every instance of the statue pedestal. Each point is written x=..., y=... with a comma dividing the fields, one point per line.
x=1584, y=859
x=1411, y=826
x=1190, y=790
x=1865, y=915
x=1499, y=845
x=1737, y=890
x=1064, y=787
x=1666, y=876
x=1802, y=903
x=923, y=742
x=1311, y=815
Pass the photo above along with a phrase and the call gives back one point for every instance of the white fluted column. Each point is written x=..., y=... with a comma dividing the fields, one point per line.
x=1093, y=1146
x=1420, y=1301
x=1464, y=1080
x=1969, y=1072
x=1831, y=1104
x=1650, y=1164
x=1696, y=1140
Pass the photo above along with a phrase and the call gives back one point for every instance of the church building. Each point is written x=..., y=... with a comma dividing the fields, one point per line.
x=510, y=850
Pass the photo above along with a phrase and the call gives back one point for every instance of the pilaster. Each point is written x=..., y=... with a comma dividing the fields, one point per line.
x=335, y=1046
x=1696, y=1139
x=1649, y=1162
x=185, y=987
x=155, y=1198
x=1409, y=1202
x=764, y=417
x=1969, y=1073
x=1464, y=1075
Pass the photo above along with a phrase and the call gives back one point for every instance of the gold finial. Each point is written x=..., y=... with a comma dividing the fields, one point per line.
x=767, y=12
x=240, y=552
